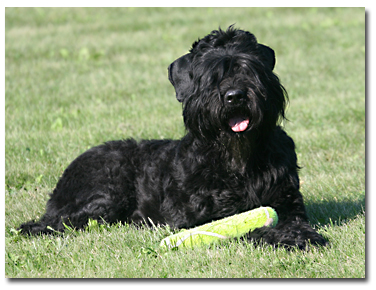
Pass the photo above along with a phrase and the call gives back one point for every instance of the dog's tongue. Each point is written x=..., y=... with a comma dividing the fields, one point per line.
x=239, y=124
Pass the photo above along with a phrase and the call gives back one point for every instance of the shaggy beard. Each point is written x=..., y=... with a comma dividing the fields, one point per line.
x=237, y=149
x=209, y=124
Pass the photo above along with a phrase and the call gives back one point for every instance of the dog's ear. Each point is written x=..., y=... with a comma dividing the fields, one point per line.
x=178, y=74
x=269, y=55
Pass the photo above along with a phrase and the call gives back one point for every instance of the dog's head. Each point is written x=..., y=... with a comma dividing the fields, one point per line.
x=227, y=85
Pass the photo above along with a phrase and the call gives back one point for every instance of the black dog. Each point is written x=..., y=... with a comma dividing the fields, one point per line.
x=233, y=158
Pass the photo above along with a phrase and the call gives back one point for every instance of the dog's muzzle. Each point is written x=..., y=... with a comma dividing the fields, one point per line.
x=236, y=98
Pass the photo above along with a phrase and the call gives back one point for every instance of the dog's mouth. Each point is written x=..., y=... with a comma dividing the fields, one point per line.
x=239, y=124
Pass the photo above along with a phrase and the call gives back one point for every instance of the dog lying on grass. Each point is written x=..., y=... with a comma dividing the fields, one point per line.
x=234, y=157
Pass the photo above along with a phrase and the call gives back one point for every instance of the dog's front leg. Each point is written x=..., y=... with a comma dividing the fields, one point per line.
x=293, y=228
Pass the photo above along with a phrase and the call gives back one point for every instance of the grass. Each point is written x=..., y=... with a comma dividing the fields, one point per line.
x=76, y=77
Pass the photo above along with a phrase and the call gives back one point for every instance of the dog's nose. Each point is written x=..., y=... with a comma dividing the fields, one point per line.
x=234, y=97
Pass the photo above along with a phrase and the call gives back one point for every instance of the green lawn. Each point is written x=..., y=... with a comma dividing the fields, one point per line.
x=77, y=77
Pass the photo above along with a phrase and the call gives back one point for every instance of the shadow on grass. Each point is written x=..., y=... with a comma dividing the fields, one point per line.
x=330, y=212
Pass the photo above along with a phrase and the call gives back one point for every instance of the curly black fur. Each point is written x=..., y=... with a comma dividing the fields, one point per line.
x=235, y=157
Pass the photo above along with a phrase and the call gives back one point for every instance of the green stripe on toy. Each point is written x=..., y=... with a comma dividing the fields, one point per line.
x=229, y=227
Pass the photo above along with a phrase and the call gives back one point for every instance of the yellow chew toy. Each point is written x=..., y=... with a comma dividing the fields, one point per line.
x=229, y=227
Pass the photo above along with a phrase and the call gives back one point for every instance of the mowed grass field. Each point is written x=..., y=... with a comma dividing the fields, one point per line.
x=77, y=77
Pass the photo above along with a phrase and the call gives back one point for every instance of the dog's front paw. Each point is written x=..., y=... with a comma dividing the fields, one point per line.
x=300, y=238
x=315, y=239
